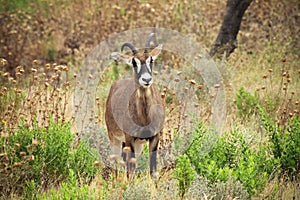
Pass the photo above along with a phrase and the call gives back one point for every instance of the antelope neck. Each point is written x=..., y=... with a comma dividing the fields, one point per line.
x=144, y=102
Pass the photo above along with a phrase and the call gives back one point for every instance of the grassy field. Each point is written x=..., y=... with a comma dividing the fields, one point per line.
x=43, y=154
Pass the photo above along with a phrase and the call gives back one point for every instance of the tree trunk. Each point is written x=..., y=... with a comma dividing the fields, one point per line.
x=226, y=41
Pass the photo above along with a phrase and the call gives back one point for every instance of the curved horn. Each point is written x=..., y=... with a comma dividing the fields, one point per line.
x=130, y=46
x=149, y=38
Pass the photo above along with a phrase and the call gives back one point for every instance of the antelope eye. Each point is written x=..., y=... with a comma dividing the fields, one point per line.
x=151, y=59
x=134, y=63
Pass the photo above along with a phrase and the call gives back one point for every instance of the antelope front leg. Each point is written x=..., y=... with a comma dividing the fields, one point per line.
x=130, y=157
x=153, y=143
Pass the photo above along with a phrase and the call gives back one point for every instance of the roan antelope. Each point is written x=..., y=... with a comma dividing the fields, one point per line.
x=134, y=108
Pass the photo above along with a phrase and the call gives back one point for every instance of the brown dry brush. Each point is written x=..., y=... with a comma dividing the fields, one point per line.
x=20, y=35
x=280, y=98
x=57, y=33
x=33, y=99
x=38, y=98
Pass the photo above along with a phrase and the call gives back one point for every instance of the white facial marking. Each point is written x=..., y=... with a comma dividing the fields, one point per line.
x=148, y=63
x=138, y=64
x=146, y=79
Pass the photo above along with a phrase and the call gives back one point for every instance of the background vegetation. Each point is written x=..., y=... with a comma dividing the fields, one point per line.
x=42, y=45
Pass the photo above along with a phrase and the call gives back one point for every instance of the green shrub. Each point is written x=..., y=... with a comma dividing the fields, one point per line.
x=246, y=103
x=231, y=156
x=52, y=158
x=82, y=159
x=69, y=190
x=284, y=142
x=23, y=5
x=41, y=157
x=184, y=173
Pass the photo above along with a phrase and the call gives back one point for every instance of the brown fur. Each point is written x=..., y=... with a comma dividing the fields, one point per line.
x=134, y=113
x=140, y=112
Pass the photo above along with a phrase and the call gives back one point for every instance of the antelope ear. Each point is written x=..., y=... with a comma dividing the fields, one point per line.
x=123, y=58
x=155, y=52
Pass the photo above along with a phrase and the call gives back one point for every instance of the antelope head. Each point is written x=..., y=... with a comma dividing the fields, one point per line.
x=141, y=63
